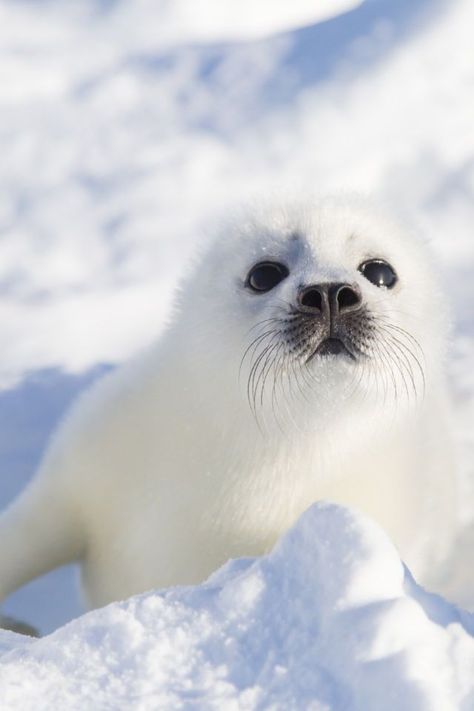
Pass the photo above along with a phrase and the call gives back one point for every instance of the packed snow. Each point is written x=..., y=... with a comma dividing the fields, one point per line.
x=125, y=127
x=330, y=619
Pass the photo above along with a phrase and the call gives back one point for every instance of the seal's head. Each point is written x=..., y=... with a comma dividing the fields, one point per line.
x=325, y=302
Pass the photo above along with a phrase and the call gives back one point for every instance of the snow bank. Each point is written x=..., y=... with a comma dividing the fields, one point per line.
x=330, y=619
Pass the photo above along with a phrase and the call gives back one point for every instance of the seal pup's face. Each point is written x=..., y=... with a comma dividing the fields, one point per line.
x=325, y=303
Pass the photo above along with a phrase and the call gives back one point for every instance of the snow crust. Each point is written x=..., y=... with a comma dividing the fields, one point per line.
x=330, y=619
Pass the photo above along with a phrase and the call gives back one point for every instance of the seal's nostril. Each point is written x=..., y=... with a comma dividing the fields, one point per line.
x=347, y=297
x=312, y=299
x=337, y=297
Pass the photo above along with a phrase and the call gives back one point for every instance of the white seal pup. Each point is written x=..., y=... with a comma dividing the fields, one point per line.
x=304, y=361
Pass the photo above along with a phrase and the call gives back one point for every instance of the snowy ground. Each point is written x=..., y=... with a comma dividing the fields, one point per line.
x=330, y=620
x=122, y=127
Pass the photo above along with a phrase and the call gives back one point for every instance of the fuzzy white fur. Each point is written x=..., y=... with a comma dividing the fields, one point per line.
x=162, y=471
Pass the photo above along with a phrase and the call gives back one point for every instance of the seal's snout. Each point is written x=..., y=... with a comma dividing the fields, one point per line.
x=344, y=298
x=330, y=300
x=333, y=346
x=313, y=298
x=331, y=306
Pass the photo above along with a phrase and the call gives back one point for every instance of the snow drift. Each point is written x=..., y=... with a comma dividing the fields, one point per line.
x=330, y=619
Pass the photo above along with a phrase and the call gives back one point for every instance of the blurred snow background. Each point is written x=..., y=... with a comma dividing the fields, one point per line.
x=124, y=126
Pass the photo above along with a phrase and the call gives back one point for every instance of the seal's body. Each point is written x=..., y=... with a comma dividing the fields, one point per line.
x=303, y=362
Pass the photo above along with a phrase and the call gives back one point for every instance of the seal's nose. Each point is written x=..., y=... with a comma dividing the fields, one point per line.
x=344, y=297
x=331, y=299
x=313, y=298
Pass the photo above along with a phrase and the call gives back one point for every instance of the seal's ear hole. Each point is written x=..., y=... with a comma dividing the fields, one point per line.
x=264, y=276
x=379, y=273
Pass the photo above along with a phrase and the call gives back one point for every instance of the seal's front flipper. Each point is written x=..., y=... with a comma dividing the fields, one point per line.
x=9, y=623
x=38, y=532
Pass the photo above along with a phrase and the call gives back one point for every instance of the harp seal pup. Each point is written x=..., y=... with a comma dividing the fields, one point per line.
x=303, y=361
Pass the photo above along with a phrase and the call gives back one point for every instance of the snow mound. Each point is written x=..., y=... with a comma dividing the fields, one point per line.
x=330, y=619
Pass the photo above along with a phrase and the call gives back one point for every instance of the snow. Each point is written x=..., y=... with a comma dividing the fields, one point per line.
x=125, y=127
x=330, y=619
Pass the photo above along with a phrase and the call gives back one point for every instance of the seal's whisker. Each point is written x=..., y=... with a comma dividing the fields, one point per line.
x=294, y=363
x=287, y=395
x=255, y=343
x=397, y=359
x=388, y=369
x=413, y=355
x=252, y=375
x=399, y=347
x=276, y=370
x=388, y=324
x=262, y=378
x=262, y=323
x=285, y=349
x=408, y=355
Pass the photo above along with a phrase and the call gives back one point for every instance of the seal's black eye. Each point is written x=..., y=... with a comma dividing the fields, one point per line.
x=379, y=273
x=264, y=276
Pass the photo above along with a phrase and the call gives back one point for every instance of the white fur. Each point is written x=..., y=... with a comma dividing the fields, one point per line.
x=162, y=472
